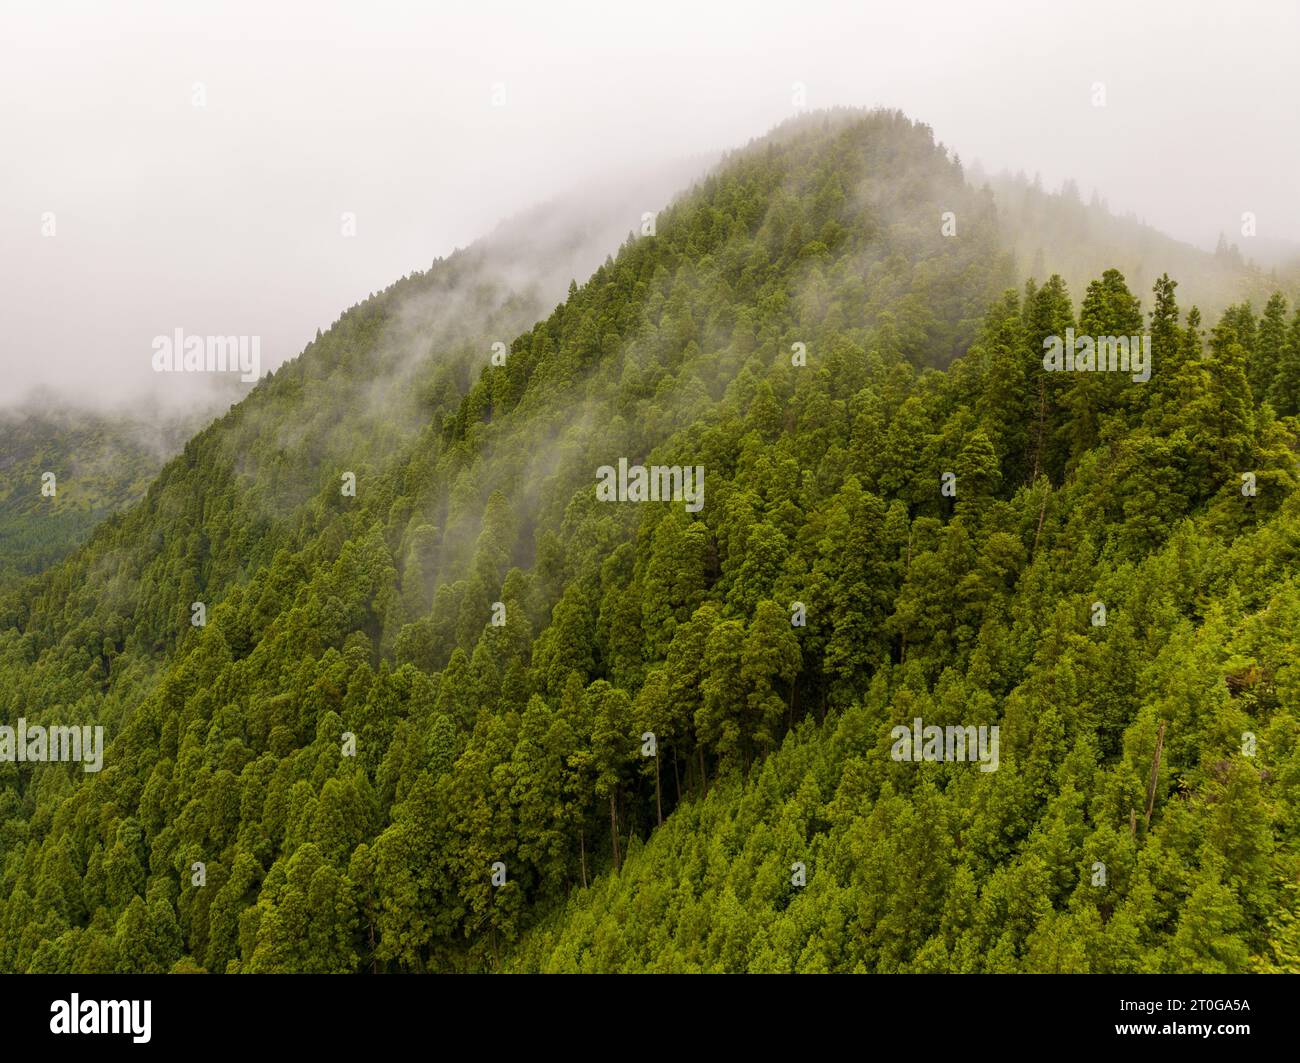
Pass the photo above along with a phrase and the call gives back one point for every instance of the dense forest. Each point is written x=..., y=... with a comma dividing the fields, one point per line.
x=105, y=462
x=446, y=710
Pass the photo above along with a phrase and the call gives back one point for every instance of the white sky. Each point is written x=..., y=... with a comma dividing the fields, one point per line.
x=225, y=219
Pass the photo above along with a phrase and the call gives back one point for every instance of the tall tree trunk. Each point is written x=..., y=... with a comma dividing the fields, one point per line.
x=659, y=805
x=1042, y=510
x=677, y=776
x=1042, y=415
x=613, y=828
x=582, y=854
x=907, y=567
x=704, y=780
x=1155, y=773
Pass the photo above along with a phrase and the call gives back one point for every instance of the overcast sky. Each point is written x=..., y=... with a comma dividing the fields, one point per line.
x=225, y=218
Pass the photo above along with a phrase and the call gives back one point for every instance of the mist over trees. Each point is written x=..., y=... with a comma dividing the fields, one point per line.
x=410, y=733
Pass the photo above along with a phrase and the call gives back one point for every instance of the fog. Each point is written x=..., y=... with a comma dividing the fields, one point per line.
x=191, y=165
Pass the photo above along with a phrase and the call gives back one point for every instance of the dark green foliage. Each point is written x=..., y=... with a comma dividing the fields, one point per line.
x=493, y=642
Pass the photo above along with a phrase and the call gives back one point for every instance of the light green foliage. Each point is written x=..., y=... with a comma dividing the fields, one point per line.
x=383, y=771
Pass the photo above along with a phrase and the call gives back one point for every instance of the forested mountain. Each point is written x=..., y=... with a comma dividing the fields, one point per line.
x=1057, y=232
x=63, y=471
x=410, y=733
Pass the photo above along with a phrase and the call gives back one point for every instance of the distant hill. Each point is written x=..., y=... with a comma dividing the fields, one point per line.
x=101, y=464
x=1057, y=232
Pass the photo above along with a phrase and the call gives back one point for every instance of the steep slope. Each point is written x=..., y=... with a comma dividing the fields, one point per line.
x=410, y=734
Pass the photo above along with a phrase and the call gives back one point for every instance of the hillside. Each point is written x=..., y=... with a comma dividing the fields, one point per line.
x=1056, y=232
x=410, y=733
x=100, y=463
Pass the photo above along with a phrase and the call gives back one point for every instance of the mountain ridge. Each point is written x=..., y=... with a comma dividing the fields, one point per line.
x=476, y=743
